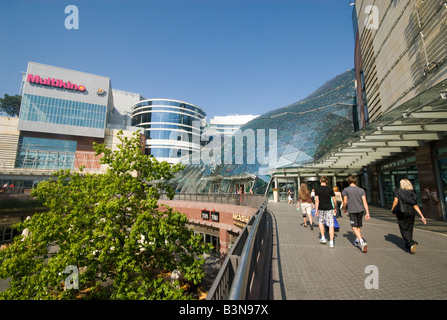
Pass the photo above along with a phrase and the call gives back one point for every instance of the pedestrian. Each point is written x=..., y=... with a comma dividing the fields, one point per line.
x=305, y=202
x=407, y=213
x=312, y=195
x=354, y=201
x=339, y=201
x=325, y=210
x=289, y=194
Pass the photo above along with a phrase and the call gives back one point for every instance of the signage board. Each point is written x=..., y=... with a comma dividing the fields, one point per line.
x=215, y=216
x=53, y=82
x=205, y=215
x=240, y=220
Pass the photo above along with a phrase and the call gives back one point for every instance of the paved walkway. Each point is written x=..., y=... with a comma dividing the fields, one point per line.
x=302, y=268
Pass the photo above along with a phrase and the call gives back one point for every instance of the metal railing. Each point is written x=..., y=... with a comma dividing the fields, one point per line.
x=250, y=200
x=244, y=274
x=246, y=268
x=35, y=167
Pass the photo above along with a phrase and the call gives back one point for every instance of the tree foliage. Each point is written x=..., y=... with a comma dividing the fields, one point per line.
x=10, y=105
x=110, y=227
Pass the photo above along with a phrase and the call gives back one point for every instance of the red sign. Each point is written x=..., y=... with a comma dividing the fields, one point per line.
x=58, y=83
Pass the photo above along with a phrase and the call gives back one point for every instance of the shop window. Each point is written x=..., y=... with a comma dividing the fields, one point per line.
x=6, y=234
x=214, y=241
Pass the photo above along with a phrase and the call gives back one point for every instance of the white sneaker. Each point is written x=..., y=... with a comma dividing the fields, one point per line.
x=331, y=244
x=356, y=242
x=363, y=246
x=323, y=240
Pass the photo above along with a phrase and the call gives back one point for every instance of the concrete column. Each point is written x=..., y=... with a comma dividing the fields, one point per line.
x=381, y=191
x=224, y=240
x=366, y=183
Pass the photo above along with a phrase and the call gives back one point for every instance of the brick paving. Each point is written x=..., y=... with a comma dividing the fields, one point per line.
x=302, y=268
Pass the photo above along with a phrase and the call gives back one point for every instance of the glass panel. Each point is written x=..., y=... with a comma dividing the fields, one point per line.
x=443, y=171
x=52, y=110
x=39, y=153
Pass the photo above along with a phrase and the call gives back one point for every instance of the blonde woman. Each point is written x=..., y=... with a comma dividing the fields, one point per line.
x=406, y=216
x=305, y=201
x=339, y=199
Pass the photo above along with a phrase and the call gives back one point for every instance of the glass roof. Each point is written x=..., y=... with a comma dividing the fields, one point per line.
x=420, y=119
x=291, y=136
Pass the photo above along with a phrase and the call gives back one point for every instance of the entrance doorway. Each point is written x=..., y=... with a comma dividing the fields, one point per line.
x=284, y=187
x=391, y=181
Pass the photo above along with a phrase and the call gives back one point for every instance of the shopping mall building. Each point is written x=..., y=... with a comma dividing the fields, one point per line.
x=401, y=73
x=383, y=121
x=172, y=128
x=400, y=117
x=64, y=111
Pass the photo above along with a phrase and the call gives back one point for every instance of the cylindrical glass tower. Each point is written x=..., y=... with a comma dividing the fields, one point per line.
x=172, y=127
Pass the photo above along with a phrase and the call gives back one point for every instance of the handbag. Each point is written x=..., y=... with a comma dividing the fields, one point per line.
x=400, y=206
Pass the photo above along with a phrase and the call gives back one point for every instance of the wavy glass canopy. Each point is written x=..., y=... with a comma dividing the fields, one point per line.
x=300, y=134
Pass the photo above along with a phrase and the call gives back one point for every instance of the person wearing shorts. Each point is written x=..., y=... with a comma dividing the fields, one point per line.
x=305, y=201
x=325, y=210
x=354, y=201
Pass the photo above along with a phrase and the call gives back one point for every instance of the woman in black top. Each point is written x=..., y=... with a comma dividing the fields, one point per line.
x=405, y=218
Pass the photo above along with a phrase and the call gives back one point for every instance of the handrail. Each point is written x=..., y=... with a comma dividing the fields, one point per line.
x=250, y=200
x=241, y=268
x=247, y=263
x=241, y=285
x=221, y=286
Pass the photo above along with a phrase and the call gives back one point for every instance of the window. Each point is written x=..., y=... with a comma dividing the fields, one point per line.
x=59, y=111
x=213, y=240
x=6, y=234
x=39, y=153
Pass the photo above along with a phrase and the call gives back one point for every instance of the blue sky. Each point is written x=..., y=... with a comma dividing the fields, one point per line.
x=225, y=56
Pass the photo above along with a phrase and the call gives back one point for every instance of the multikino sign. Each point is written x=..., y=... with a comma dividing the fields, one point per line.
x=256, y=150
x=52, y=82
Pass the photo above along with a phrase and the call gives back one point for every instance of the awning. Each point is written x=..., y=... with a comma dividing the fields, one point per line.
x=421, y=119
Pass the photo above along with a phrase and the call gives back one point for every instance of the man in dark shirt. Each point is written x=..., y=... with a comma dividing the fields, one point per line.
x=325, y=209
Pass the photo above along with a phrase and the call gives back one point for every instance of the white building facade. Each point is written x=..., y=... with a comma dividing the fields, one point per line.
x=172, y=128
x=227, y=125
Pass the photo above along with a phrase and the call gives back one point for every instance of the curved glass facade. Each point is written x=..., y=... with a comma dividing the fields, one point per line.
x=287, y=137
x=172, y=127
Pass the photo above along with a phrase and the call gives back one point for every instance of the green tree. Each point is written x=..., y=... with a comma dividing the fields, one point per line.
x=10, y=105
x=111, y=229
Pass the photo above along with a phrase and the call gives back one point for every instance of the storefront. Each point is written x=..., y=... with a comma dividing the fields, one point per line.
x=392, y=173
x=425, y=167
